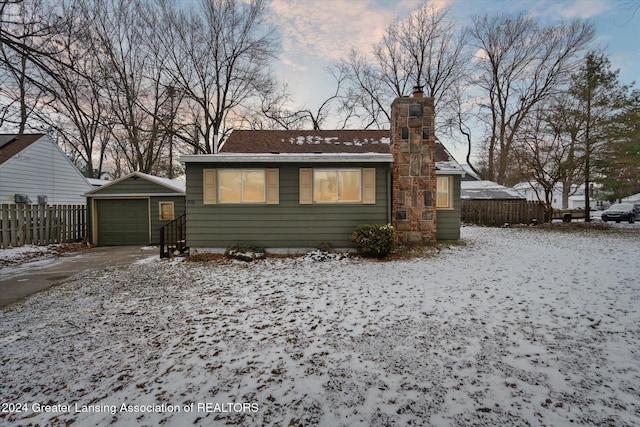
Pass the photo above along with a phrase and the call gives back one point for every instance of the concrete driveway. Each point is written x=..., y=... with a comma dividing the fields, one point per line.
x=19, y=281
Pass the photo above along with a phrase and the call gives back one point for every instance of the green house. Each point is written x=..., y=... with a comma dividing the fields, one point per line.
x=298, y=189
x=130, y=210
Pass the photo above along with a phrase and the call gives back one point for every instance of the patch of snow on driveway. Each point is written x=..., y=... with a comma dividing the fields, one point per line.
x=517, y=327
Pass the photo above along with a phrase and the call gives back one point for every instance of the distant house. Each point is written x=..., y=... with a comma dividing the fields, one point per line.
x=130, y=210
x=34, y=170
x=534, y=192
x=488, y=190
x=298, y=189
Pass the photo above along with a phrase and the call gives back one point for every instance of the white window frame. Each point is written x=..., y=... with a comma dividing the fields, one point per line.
x=242, y=172
x=173, y=211
x=211, y=188
x=449, y=192
x=367, y=186
x=337, y=171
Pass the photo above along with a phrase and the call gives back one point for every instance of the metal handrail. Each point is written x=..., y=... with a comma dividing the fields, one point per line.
x=173, y=237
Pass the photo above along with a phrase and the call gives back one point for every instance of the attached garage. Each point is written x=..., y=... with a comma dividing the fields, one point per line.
x=130, y=210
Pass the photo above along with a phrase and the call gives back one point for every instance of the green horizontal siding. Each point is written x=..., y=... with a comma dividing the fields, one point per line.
x=448, y=221
x=178, y=206
x=156, y=223
x=286, y=225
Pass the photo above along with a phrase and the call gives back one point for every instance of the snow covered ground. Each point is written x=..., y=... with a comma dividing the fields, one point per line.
x=516, y=327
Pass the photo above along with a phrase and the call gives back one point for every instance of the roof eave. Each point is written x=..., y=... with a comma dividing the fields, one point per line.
x=288, y=158
x=146, y=177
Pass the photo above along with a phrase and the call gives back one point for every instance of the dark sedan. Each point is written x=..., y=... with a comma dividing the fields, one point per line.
x=620, y=212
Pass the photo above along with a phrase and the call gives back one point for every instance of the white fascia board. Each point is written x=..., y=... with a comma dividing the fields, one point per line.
x=450, y=172
x=288, y=158
x=132, y=195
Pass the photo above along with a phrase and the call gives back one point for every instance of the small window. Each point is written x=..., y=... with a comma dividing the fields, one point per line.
x=443, y=198
x=405, y=133
x=415, y=110
x=166, y=211
x=425, y=132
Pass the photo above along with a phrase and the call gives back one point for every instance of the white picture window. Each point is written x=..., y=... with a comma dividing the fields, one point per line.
x=241, y=186
x=337, y=185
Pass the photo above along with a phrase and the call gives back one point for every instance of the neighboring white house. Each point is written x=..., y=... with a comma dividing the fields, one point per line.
x=34, y=170
x=534, y=192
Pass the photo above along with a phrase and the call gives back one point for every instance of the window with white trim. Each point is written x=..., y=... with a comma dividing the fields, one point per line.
x=348, y=185
x=166, y=211
x=229, y=186
x=241, y=186
x=444, y=198
x=337, y=185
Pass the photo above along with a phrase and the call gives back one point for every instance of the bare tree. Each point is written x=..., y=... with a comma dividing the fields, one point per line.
x=520, y=64
x=422, y=49
x=25, y=50
x=368, y=93
x=274, y=113
x=545, y=152
x=73, y=106
x=218, y=55
x=134, y=82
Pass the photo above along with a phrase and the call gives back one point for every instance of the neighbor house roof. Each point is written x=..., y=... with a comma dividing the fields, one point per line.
x=487, y=190
x=12, y=144
x=306, y=145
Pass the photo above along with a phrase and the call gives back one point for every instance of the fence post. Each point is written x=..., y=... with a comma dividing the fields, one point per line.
x=5, y=237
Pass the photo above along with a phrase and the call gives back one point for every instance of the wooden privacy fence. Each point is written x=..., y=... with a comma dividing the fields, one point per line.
x=496, y=213
x=41, y=225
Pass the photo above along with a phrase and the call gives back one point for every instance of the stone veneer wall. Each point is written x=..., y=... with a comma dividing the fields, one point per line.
x=414, y=171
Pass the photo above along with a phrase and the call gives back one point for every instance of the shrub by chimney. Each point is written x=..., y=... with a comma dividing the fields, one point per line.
x=414, y=172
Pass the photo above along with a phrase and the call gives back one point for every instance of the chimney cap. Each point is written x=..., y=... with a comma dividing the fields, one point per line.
x=417, y=91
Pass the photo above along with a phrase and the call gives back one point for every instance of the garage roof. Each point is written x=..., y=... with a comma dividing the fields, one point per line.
x=175, y=187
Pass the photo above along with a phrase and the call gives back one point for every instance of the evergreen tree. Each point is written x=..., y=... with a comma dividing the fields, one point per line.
x=620, y=165
x=600, y=101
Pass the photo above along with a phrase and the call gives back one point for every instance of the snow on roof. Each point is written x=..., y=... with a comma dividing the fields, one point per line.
x=98, y=182
x=308, y=141
x=178, y=186
x=174, y=184
x=445, y=162
x=317, y=140
x=284, y=145
x=487, y=190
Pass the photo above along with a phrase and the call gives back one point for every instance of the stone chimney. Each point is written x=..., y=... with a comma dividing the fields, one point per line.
x=414, y=171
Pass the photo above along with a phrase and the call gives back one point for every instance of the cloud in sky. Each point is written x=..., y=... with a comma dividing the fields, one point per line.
x=317, y=33
x=329, y=29
x=584, y=9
